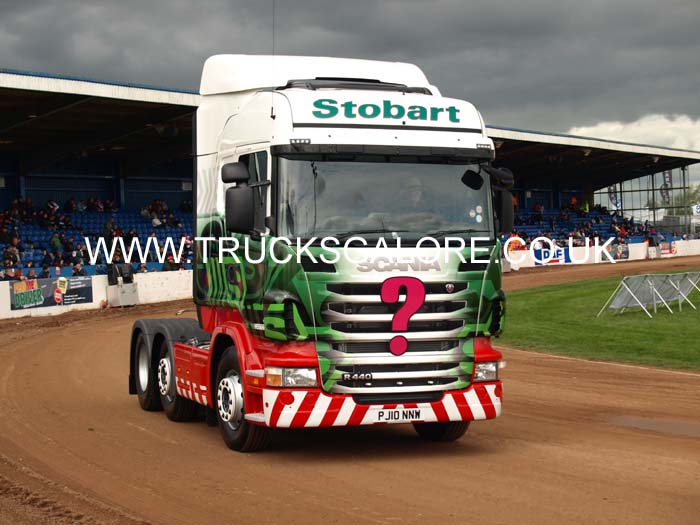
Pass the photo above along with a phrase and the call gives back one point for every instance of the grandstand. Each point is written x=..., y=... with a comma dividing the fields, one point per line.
x=64, y=138
x=91, y=225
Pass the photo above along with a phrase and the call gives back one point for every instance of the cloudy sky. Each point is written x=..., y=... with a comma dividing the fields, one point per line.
x=628, y=69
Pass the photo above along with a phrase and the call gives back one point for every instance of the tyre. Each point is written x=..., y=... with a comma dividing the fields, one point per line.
x=451, y=431
x=176, y=407
x=145, y=376
x=238, y=433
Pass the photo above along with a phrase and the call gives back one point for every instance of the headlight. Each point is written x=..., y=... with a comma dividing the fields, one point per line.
x=486, y=372
x=290, y=377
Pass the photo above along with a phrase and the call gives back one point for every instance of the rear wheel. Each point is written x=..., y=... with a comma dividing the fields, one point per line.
x=176, y=407
x=451, y=431
x=238, y=433
x=144, y=372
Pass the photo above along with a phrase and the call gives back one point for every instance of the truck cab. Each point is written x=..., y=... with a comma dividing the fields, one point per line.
x=317, y=181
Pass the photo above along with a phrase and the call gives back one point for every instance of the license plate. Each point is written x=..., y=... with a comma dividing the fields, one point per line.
x=397, y=415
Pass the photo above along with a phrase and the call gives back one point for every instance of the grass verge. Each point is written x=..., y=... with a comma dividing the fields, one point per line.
x=561, y=319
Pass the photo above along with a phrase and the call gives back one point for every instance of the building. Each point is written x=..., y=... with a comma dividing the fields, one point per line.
x=64, y=137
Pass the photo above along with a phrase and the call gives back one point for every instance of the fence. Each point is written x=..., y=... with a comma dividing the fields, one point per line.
x=651, y=292
x=37, y=298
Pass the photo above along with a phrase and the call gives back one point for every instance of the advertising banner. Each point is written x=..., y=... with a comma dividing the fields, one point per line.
x=619, y=252
x=668, y=248
x=38, y=293
x=559, y=256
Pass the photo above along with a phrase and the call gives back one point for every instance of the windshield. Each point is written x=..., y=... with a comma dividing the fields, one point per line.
x=411, y=199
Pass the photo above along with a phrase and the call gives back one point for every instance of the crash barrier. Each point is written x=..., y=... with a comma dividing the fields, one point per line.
x=652, y=292
x=620, y=253
x=40, y=297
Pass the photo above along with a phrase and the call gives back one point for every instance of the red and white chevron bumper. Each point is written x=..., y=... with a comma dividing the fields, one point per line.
x=313, y=408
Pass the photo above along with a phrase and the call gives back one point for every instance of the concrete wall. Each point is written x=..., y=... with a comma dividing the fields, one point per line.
x=169, y=286
x=637, y=252
x=151, y=288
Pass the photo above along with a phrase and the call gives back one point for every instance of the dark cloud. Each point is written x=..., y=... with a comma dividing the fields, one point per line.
x=533, y=64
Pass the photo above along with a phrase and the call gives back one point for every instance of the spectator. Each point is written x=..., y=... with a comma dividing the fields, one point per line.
x=11, y=254
x=142, y=268
x=9, y=274
x=118, y=269
x=82, y=254
x=18, y=273
x=47, y=258
x=170, y=265
x=78, y=270
x=67, y=244
x=129, y=237
x=107, y=229
x=45, y=272
x=55, y=242
x=155, y=221
x=4, y=235
x=30, y=252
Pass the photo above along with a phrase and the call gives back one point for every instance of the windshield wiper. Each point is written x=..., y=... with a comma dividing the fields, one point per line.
x=441, y=233
x=345, y=235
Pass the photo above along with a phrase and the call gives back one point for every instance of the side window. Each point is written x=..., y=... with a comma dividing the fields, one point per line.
x=257, y=167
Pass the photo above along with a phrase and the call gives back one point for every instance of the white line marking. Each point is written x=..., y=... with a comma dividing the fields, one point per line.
x=427, y=413
x=475, y=404
x=319, y=411
x=289, y=411
x=344, y=413
x=495, y=400
x=451, y=408
x=269, y=398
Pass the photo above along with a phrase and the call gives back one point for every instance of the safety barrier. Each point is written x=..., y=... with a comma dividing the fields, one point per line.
x=629, y=252
x=40, y=297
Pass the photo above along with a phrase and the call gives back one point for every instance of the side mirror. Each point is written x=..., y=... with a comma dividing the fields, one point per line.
x=240, y=214
x=505, y=211
x=471, y=179
x=239, y=199
x=500, y=177
x=234, y=172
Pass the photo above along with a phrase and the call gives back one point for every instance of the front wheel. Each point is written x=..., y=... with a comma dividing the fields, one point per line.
x=451, y=431
x=238, y=434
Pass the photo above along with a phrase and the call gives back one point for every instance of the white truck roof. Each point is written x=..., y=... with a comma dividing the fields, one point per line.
x=235, y=73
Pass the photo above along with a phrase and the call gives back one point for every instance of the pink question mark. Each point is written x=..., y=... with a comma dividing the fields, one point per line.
x=415, y=297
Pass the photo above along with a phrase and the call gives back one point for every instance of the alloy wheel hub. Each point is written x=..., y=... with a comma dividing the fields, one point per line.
x=164, y=376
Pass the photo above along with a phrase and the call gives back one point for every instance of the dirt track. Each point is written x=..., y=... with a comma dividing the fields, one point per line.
x=558, y=274
x=578, y=442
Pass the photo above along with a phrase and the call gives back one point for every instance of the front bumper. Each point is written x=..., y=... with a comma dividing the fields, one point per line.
x=285, y=408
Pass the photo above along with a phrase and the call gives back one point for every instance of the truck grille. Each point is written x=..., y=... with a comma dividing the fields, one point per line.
x=361, y=361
